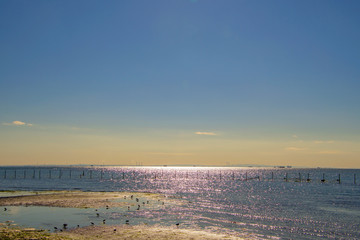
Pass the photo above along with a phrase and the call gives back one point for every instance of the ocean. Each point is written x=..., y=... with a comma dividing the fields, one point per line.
x=260, y=203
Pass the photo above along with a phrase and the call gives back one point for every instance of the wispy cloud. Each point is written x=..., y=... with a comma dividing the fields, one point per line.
x=295, y=136
x=322, y=142
x=169, y=154
x=18, y=123
x=329, y=152
x=206, y=133
x=294, y=149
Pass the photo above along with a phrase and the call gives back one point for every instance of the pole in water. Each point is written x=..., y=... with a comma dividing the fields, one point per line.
x=246, y=176
x=39, y=173
x=272, y=176
x=323, y=179
x=34, y=174
x=339, y=179
x=354, y=178
x=286, y=177
x=233, y=176
x=308, y=178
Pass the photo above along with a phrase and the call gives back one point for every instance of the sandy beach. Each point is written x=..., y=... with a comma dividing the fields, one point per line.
x=112, y=232
x=78, y=199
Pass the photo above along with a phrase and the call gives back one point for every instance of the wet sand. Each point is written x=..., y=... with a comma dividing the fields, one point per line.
x=139, y=232
x=78, y=199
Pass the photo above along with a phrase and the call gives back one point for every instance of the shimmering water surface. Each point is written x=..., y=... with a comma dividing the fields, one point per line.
x=266, y=203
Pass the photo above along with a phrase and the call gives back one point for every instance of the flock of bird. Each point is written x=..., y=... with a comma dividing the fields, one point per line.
x=127, y=222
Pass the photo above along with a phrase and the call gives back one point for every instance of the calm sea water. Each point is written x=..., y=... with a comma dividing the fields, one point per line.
x=265, y=203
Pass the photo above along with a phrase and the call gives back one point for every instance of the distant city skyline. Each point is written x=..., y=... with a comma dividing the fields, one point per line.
x=180, y=82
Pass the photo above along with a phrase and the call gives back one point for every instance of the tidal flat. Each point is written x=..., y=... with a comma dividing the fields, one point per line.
x=95, y=204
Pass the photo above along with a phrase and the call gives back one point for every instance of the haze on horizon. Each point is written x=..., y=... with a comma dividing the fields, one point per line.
x=180, y=82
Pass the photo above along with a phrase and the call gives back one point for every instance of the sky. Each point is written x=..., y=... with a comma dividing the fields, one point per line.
x=204, y=82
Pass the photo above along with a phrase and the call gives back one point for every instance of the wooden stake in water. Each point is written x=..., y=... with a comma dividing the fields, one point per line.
x=246, y=176
x=286, y=177
x=339, y=179
x=323, y=179
x=272, y=176
x=354, y=178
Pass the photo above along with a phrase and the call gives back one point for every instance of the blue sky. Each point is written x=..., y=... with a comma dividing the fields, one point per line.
x=245, y=70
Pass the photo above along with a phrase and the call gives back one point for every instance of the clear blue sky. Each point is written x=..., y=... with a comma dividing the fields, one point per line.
x=244, y=70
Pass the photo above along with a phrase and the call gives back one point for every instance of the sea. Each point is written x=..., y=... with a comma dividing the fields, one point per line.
x=250, y=202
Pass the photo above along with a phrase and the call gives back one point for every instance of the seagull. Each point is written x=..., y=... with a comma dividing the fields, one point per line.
x=65, y=225
x=92, y=223
x=5, y=209
x=104, y=221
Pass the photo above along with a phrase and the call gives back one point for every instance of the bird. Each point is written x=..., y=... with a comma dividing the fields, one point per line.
x=92, y=223
x=78, y=226
x=65, y=225
x=55, y=228
x=114, y=229
x=177, y=225
x=127, y=221
x=5, y=209
x=137, y=199
x=128, y=208
x=97, y=214
x=132, y=196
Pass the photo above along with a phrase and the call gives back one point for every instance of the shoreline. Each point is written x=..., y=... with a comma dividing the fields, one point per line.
x=94, y=201
x=113, y=232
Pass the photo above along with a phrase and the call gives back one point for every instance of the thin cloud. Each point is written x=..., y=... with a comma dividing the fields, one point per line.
x=322, y=142
x=170, y=154
x=206, y=133
x=330, y=152
x=295, y=149
x=18, y=123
